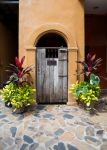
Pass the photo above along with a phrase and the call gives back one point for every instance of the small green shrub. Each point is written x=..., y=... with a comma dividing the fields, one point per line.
x=18, y=97
x=8, y=93
x=87, y=92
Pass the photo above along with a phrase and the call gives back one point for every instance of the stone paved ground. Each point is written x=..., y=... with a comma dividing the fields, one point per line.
x=52, y=127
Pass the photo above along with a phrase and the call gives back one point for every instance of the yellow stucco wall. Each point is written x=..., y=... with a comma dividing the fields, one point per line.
x=36, y=17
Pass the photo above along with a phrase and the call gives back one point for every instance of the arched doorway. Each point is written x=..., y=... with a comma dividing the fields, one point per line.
x=52, y=69
x=51, y=40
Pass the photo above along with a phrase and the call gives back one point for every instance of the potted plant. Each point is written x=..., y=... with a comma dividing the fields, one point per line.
x=19, y=91
x=87, y=92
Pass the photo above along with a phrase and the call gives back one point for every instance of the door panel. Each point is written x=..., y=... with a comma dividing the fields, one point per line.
x=52, y=76
x=63, y=74
x=41, y=75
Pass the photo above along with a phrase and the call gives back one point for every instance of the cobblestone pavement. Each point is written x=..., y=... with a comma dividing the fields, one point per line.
x=52, y=127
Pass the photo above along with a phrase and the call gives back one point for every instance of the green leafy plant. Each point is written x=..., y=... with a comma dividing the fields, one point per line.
x=19, y=91
x=94, y=80
x=18, y=97
x=87, y=93
x=8, y=93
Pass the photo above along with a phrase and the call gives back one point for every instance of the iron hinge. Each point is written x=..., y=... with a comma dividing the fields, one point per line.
x=62, y=76
x=62, y=59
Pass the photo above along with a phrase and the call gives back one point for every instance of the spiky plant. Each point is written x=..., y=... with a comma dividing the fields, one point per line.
x=90, y=65
x=20, y=75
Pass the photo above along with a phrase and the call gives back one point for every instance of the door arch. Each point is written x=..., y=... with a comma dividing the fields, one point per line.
x=51, y=40
x=52, y=69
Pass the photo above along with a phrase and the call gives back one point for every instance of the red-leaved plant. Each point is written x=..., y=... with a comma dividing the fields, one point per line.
x=20, y=75
x=90, y=65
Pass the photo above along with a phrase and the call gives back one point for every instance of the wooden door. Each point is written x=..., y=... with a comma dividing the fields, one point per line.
x=52, y=75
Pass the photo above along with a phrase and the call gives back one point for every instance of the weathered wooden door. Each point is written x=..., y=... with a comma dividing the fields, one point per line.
x=52, y=75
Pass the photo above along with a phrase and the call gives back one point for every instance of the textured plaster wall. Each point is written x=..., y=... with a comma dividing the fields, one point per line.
x=36, y=17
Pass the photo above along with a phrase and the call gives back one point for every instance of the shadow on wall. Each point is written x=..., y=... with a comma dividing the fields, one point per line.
x=8, y=50
x=96, y=41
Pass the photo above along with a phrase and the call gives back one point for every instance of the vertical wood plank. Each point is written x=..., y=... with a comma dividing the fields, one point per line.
x=63, y=74
x=51, y=81
x=56, y=81
x=43, y=75
x=65, y=88
x=60, y=81
x=38, y=75
x=47, y=84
